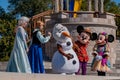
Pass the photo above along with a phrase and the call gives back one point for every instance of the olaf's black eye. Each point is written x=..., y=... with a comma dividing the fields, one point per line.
x=68, y=43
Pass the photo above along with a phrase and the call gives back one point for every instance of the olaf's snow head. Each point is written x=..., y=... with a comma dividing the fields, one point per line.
x=60, y=32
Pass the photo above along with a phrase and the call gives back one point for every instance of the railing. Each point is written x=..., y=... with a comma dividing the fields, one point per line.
x=95, y=14
x=40, y=16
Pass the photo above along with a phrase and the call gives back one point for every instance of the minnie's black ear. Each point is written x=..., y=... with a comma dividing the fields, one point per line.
x=110, y=38
x=93, y=36
x=80, y=28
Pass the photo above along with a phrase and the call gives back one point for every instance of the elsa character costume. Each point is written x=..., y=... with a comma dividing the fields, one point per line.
x=18, y=61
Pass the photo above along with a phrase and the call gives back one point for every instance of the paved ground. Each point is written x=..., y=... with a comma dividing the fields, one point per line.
x=23, y=76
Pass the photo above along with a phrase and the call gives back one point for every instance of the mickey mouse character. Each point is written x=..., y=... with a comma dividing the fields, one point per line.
x=81, y=44
x=101, y=52
x=64, y=60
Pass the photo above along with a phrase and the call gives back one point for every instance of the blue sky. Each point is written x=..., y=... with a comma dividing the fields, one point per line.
x=117, y=1
x=4, y=3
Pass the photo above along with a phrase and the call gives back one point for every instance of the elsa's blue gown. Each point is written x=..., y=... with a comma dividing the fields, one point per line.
x=35, y=52
x=18, y=61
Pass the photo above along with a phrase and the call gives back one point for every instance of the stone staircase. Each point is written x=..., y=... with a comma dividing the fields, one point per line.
x=48, y=69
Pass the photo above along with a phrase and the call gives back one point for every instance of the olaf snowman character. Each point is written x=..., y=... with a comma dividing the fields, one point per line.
x=64, y=60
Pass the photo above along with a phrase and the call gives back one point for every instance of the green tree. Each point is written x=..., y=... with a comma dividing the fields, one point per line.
x=28, y=7
x=2, y=11
x=7, y=38
x=4, y=15
x=7, y=24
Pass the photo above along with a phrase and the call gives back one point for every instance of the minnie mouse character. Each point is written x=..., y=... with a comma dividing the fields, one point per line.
x=65, y=59
x=101, y=53
x=80, y=49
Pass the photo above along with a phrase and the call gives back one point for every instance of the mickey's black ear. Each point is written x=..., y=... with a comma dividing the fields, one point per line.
x=80, y=28
x=110, y=38
x=93, y=36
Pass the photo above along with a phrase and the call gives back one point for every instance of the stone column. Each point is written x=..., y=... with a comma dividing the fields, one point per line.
x=96, y=5
x=56, y=6
x=101, y=6
x=89, y=5
x=67, y=1
x=61, y=5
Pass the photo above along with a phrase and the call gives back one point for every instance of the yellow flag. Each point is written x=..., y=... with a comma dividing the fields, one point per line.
x=77, y=6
